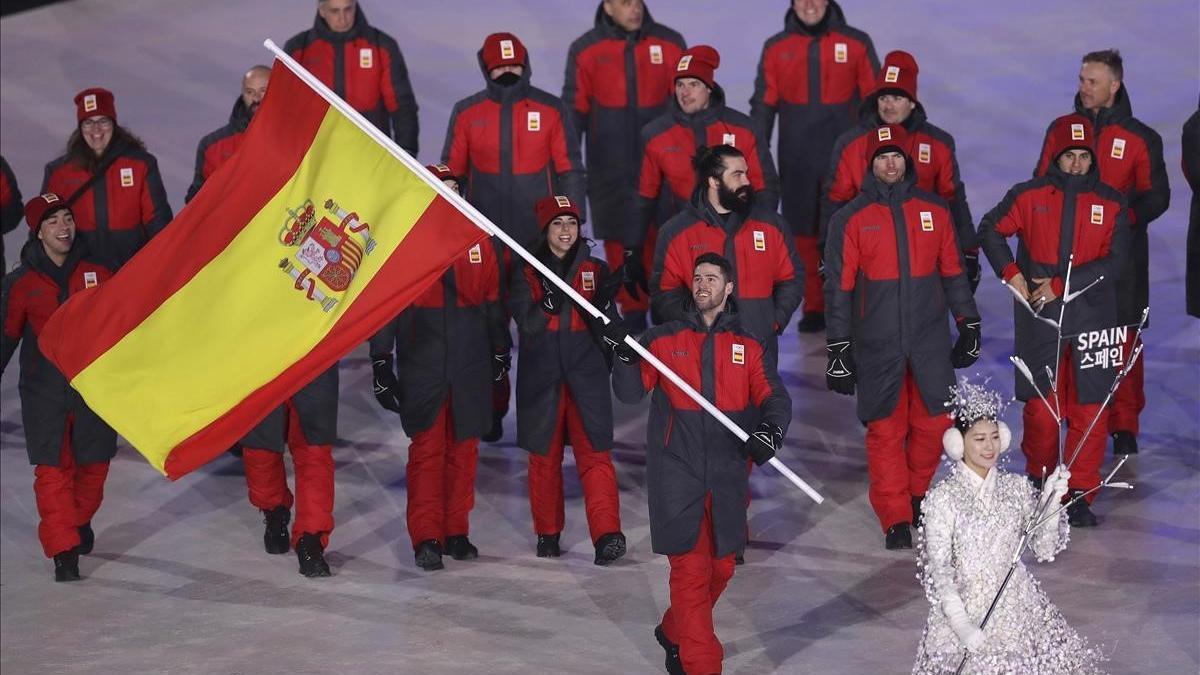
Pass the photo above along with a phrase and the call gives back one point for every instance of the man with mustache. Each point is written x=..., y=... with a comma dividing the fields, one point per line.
x=893, y=270
x=216, y=148
x=725, y=216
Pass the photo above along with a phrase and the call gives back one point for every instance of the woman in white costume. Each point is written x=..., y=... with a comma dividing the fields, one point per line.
x=973, y=523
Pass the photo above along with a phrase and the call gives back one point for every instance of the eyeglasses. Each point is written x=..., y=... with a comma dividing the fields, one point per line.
x=100, y=122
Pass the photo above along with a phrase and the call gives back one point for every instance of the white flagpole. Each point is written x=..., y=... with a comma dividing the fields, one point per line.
x=482, y=222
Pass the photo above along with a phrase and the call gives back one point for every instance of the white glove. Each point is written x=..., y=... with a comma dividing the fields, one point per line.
x=968, y=633
x=1056, y=485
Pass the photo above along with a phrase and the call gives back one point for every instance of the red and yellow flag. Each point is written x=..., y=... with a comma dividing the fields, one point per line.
x=295, y=251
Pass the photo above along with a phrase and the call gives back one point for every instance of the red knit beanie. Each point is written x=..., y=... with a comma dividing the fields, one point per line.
x=42, y=207
x=887, y=138
x=502, y=49
x=549, y=208
x=898, y=76
x=1071, y=131
x=95, y=101
x=700, y=62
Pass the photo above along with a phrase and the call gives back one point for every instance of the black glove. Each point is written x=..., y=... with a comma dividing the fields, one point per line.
x=974, y=271
x=762, y=445
x=384, y=384
x=839, y=376
x=614, y=335
x=633, y=273
x=552, y=298
x=966, y=350
x=501, y=363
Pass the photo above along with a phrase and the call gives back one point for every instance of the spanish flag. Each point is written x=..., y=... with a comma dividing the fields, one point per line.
x=295, y=251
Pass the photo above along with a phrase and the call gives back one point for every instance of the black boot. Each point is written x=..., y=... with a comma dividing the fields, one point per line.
x=739, y=558
x=634, y=322
x=429, y=555
x=275, y=538
x=494, y=434
x=312, y=556
x=1124, y=443
x=461, y=548
x=674, y=665
x=898, y=536
x=609, y=548
x=813, y=322
x=1080, y=514
x=66, y=566
x=916, y=509
x=87, y=539
x=547, y=546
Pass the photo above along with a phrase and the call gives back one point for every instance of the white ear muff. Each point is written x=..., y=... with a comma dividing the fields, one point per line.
x=952, y=443
x=1005, y=436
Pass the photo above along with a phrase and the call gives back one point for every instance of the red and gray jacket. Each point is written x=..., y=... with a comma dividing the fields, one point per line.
x=363, y=66
x=444, y=342
x=216, y=148
x=1054, y=217
x=931, y=156
x=29, y=295
x=561, y=350
x=671, y=142
x=514, y=145
x=11, y=212
x=688, y=453
x=893, y=270
x=1131, y=160
x=121, y=210
x=813, y=77
x=616, y=82
x=768, y=274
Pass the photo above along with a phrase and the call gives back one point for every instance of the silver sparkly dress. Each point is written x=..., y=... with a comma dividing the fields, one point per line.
x=971, y=529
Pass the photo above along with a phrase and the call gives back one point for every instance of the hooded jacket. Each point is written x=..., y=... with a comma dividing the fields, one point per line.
x=29, y=295
x=1054, y=217
x=615, y=83
x=216, y=148
x=688, y=453
x=893, y=270
x=935, y=165
x=813, y=78
x=11, y=212
x=561, y=350
x=768, y=274
x=514, y=145
x=365, y=67
x=671, y=141
x=1131, y=160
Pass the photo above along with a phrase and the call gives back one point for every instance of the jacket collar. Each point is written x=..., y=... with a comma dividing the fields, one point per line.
x=982, y=487
x=1120, y=111
x=239, y=117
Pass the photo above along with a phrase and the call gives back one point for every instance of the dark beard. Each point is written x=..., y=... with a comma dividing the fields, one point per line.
x=739, y=201
x=507, y=79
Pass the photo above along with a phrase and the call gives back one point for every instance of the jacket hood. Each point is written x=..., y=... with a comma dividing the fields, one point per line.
x=727, y=320
x=603, y=22
x=1120, y=110
x=503, y=94
x=834, y=18
x=716, y=103
x=326, y=33
x=239, y=117
x=868, y=114
x=878, y=191
x=33, y=256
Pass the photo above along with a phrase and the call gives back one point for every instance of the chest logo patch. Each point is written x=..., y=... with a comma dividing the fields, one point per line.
x=927, y=221
x=841, y=53
x=1097, y=214
x=589, y=280
x=760, y=240
x=89, y=279
x=739, y=353
x=1077, y=133
x=1118, y=148
x=475, y=255
x=656, y=55
x=127, y=177
x=729, y=139
x=923, y=153
x=883, y=134
x=366, y=58
x=534, y=121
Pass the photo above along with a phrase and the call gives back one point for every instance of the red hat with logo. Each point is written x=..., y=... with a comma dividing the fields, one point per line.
x=42, y=207
x=700, y=62
x=441, y=172
x=549, y=208
x=1069, y=132
x=502, y=49
x=93, y=102
x=898, y=76
x=887, y=138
